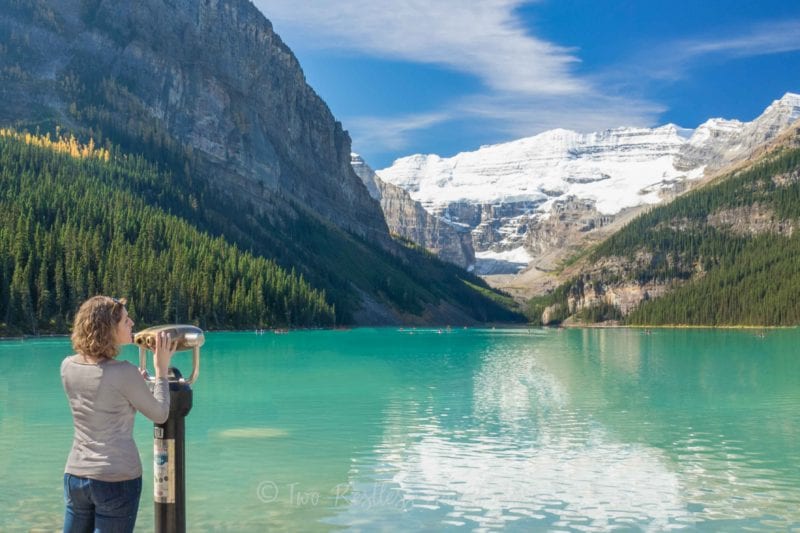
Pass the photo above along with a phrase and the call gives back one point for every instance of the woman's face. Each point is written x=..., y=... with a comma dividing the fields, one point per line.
x=124, y=331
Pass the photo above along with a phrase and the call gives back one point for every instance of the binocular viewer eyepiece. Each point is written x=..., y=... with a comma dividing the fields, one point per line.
x=187, y=337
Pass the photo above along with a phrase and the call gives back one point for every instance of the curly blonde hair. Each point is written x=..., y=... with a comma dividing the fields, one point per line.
x=94, y=327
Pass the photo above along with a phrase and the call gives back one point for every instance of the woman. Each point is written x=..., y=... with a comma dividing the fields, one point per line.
x=103, y=476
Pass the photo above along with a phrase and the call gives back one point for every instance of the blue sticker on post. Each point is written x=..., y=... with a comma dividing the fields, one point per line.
x=164, y=470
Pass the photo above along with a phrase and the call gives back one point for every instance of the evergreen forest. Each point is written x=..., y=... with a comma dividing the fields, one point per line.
x=67, y=233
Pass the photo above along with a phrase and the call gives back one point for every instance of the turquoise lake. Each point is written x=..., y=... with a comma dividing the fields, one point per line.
x=422, y=430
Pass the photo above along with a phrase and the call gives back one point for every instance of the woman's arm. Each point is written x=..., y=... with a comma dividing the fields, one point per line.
x=154, y=405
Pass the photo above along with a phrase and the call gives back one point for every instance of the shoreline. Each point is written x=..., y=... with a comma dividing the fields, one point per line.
x=277, y=331
x=671, y=326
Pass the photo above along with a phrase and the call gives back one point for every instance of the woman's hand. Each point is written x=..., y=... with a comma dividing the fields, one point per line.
x=165, y=348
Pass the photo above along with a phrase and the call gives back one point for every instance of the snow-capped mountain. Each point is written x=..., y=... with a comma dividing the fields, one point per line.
x=610, y=167
x=508, y=194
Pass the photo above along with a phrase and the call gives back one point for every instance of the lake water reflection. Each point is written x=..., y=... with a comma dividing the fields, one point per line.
x=379, y=429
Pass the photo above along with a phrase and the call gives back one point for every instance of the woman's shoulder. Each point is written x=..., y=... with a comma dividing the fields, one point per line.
x=68, y=360
x=71, y=360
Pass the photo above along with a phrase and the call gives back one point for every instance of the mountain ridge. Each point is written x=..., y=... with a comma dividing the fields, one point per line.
x=527, y=180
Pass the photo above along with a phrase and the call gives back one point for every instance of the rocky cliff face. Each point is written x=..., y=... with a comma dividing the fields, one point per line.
x=568, y=220
x=536, y=196
x=751, y=220
x=623, y=296
x=208, y=76
x=407, y=218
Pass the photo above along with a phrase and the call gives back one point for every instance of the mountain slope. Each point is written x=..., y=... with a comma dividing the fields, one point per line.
x=725, y=254
x=68, y=231
x=248, y=152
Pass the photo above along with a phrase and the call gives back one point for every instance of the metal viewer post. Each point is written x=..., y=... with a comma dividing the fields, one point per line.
x=169, y=438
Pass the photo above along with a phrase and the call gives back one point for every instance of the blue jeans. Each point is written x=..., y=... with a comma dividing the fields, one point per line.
x=100, y=506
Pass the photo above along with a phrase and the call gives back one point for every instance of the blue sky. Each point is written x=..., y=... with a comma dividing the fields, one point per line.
x=446, y=76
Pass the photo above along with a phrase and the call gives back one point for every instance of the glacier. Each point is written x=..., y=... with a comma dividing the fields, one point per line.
x=611, y=168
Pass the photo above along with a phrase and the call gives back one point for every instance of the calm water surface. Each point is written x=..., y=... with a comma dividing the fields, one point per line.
x=379, y=429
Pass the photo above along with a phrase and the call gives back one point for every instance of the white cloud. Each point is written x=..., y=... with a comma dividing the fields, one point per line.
x=530, y=84
x=483, y=38
x=674, y=60
x=395, y=132
x=523, y=117
x=764, y=39
x=505, y=117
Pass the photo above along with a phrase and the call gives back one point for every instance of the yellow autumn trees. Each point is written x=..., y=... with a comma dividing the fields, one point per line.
x=62, y=144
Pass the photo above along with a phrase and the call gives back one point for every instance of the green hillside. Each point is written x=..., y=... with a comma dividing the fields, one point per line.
x=68, y=230
x=730, y=251
x=76, y=220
